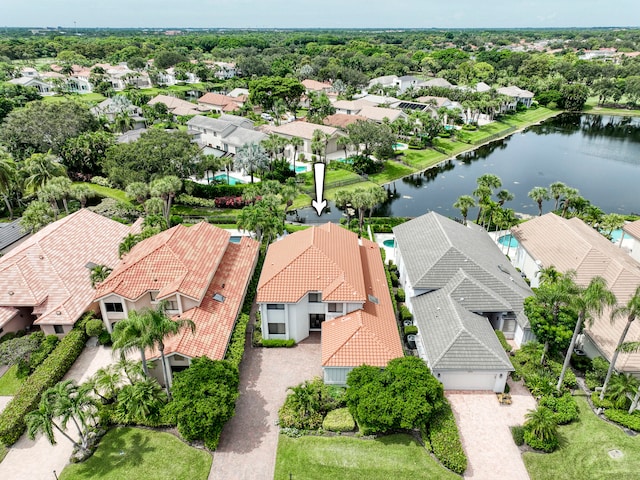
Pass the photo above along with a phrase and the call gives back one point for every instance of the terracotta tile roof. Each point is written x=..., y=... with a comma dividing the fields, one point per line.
x=573, y=245
x=215, y=320
x=341, y=120
x=48, y=270
x=324, y=259
x=316, y=86
x=178, y=106
x=301, y=129
x=217, y=99
x=377, y=114
x=633, y=229
x=6, y=314
x=369, y=336
x=179, y=260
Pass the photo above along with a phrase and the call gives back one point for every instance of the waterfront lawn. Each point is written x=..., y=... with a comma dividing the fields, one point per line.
x=391, y=171
x=583, y=452
x=422, y=159
x=126, y=453
x=9, y=383
x=119, y=195
x=349, y=458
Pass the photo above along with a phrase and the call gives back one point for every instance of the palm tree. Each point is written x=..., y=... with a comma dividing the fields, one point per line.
x=588, y=302
x=166, y=188
x=483, y=194
x=130, y=335
x=319, y=143
x=631, y=310
x=344, y=143
x=622, y=385
x=139, y=191
x=296, y=143
x=541, y=423
x=106, y=383
x=140, y=401
x=504, y=196
x=557, y=189
x=62, y=188
x=464, y=203
x=539, y=195
x=251, y=157
x=98, y=274
x=570, y=195
x=40, y=168
x=82, y=193
x=8, y=172
x=43, y=421
x=36, y=216
x=128, y=243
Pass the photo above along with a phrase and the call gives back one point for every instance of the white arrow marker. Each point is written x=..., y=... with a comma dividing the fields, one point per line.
x=318, y=173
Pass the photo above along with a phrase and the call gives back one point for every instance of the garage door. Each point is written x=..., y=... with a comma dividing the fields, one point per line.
x=468, y=380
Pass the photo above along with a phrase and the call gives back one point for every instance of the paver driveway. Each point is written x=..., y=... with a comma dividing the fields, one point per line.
x=249, y=440
x=484, y=428
x=37, y=459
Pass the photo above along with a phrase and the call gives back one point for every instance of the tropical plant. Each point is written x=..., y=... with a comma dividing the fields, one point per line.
x=39, y=169
x=464, y=203
x=166, y=188
x=82, y=193
x=140, y=402
x=621, y=386
x=251, y=158
x=36, y=216
x=539, y=195
x=589, y=301
x=138, y=191
x=128, y=242
x=557, y=190
x=8, y=173
x=541, y=429
x=631, y=311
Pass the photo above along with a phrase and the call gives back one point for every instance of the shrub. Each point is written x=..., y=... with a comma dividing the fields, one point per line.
x=235, y=350
x=445, y=440
x=604, y=403
x=541, y=429
x=278, y=343
x=214, y=190
x=410, y=330
x=565, y=407
x=192, y=201
x=339, y=420
x=307, y=404
x=400, y=295
x=94, y=327
x=405, y=314
x=625, y=419
x=104, y=338
x=49, y=373
x=394, y=279
x=46, y=347
x=104, y=182
x=517, y=432
x=175, y=220
x=503, y=341
x=581, y=363
x=548, y=445
x=390, y=285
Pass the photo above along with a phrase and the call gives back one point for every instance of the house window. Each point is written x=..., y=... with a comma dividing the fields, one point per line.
x=315, y=320
x=58, y=329
x=154, y=295
x=113, y=307
x=315, y=297
x=172, y=305
x=335, y=307
x=275, y=306
x=277, y=329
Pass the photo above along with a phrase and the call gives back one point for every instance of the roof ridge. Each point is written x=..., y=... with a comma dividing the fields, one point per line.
x=356, y=314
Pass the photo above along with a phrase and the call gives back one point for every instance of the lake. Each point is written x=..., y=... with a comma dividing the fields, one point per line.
x=599, y=155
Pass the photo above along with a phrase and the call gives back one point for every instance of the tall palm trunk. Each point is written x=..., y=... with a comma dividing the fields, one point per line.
x=634, y=404
x=567, y=357
x=612, y=365
x=66, y=435
x=165, y=370
x=545, y=350
x=145, y=369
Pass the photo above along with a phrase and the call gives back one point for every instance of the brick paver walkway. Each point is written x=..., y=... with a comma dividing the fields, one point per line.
x=484, y=428
x=249, y=441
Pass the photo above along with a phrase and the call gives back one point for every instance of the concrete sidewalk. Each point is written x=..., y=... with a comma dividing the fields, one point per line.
x=249, y=441
x=484, y=428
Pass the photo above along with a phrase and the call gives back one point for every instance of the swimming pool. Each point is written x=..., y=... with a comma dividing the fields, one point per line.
x=616, y=235
x=299, y=168
x=400, y=146
x=508, y=240
x=235, y=239
x=223, y=178
x=389, y=243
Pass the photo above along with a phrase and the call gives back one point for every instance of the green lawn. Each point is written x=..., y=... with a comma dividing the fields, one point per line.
x=9, y=383
x=583, y=452
x=133, y=453
x=349, y=458
x=109, y=192
x=391, y=171
x=422, y=159
x=93, y=98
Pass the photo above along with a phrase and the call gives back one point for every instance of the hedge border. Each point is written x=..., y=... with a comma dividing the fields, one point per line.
x=445, y=440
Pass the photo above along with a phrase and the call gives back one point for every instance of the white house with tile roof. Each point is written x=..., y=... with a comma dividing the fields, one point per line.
x=304, y=130
x=326, y=279
x=460, y=288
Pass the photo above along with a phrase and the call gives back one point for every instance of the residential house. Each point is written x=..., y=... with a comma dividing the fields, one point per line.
x=220, y=103
x=179, y=107
x=378, y=100
x=379, y=114
x=224, y=70
x=437, y=82
x=351, y=107
x=112, y=107
x=326, y=279
x=519, y=96
x=633, y=230
x=460, y=288
x=168, y=77
x=198, y=273
x=44, y=281
x=341, y=120
x=315, y=86
x=226, y=134
x=305, y=130
x=571, y=244
x=43, y=87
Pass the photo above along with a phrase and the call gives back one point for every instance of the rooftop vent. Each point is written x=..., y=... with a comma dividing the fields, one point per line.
x=373, y=299
x=218, y=298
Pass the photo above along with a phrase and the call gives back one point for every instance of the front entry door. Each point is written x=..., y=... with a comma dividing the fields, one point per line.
x=315, y=321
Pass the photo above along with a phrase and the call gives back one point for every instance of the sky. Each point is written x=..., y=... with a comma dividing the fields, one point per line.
x=319, y=13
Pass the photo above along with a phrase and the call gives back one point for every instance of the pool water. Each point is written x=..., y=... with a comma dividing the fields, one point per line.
x=400, y=146
x=344, y=160
x=299, y=168
x=616, y=235
x=508, y=240
x=232, y=180
x=235, y=239
x=389, y=243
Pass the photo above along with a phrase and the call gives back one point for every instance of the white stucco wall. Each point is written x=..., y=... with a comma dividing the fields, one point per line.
x=336, y=375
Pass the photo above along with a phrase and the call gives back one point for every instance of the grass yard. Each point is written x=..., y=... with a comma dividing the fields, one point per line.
x=583, y=452
x=392, y=170
x=422, y=159
x=9, y=383
x=109, y=192
x=126, y=453
x=348, y=458
x=91, y=98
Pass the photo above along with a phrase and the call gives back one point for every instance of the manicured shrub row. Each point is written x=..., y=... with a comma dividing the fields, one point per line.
x=192, y=201
x=410, y=330
x=339, y=420
x=46, y=375
x=273, y=343
x=445, y=441
x=213, y=191
x=94, y=327
x=405, y=314
x=604, y=403
x=235, y=350
x=517, y=432
x=47, y=346
x=503, y=341
x=565, y=407
x=393, y=297
x=625, y=419
x=400, y=295
x=230, y=202
x=11, y=335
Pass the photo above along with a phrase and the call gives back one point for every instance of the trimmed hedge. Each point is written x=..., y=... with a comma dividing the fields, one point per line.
x=445, y=441
x=625, y=419
x=410, y=330
x=276, y=343
x=565, y=408
x=503, y=341
x=405, y=314
x=213, y=191
x=94, y=327
x=47, y=346
x=235, y=349
x=339, y=420
x=604, y=403
x=517, y=432
x=49, y=373
x=388, y=275
x=400, y=295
